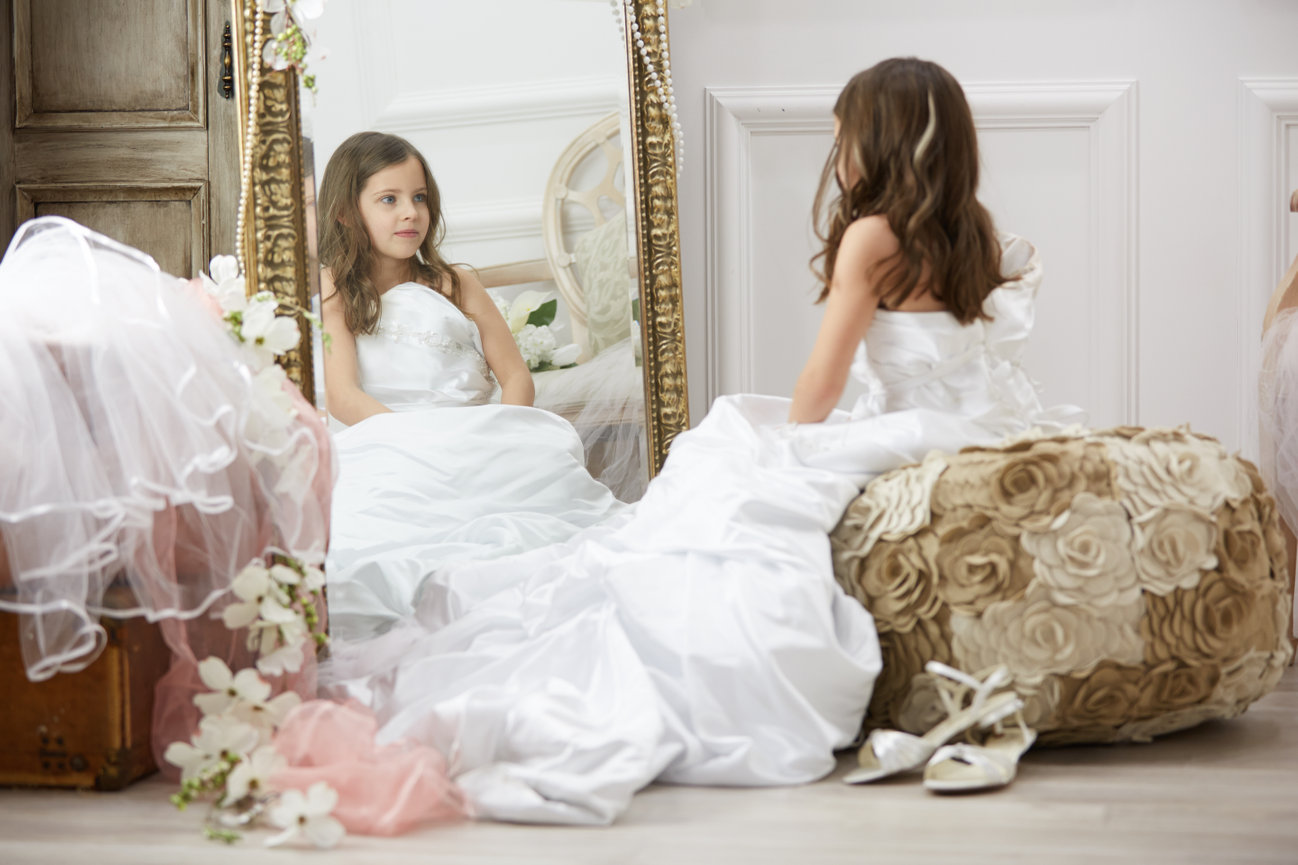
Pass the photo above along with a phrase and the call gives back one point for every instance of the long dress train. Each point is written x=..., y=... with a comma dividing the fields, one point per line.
x=699, y=636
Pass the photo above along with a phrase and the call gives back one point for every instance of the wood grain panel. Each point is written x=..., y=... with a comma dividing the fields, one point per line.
x=105, y=157
x=222, y=145
x=123, y=63
x=165, y=221
x=8, y=216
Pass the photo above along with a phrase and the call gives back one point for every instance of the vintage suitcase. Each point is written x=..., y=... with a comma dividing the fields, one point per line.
x=85, y=729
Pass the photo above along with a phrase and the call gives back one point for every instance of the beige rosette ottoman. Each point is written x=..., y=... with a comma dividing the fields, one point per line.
x=1133, y=581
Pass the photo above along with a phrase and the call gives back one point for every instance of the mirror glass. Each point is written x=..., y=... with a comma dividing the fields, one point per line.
x=521, y=109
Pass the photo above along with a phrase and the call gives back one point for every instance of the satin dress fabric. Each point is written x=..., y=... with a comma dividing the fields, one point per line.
x=447, y=476
x=698, y=637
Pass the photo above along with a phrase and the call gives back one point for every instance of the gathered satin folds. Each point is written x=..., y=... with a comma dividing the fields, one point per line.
x=697, y=637
x=447, y=476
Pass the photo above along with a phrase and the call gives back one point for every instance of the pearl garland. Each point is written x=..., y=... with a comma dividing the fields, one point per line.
x=250, y=135
x=662, y=83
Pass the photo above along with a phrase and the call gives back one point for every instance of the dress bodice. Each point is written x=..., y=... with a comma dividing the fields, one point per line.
x=918, y=360
x=424, y=353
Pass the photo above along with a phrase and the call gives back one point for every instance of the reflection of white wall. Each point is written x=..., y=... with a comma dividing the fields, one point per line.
x=491, y=91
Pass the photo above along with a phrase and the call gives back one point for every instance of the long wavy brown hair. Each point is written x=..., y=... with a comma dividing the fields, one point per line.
x=345, y=246
x=906, y=130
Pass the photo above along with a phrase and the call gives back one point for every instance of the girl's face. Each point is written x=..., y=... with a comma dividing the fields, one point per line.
x=847, y=173
x=394, y=207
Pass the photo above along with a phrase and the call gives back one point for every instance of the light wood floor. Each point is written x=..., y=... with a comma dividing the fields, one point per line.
x=1225, y=792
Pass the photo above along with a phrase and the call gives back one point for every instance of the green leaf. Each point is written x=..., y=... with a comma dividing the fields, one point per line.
x=543, y=314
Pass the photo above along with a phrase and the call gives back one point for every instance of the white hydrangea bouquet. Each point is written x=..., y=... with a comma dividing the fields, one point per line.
x=530, y=317
x=230, y=760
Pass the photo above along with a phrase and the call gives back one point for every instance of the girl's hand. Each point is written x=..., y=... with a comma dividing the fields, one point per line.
x=503, y=356
x=849, y=309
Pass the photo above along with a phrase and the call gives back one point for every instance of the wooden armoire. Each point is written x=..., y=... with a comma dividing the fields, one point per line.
x=117, y=116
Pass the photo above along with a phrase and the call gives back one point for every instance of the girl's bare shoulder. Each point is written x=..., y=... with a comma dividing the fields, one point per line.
x=869, y=238
x=468, y=276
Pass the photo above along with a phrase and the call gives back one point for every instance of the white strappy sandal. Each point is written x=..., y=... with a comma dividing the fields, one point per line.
x=965, y=768
x=892, y=752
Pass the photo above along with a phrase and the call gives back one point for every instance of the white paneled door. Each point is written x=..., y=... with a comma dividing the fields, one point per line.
x=1148, y=149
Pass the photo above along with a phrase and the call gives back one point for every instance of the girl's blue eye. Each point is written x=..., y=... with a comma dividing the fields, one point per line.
x=388, y=199
x=419, y=196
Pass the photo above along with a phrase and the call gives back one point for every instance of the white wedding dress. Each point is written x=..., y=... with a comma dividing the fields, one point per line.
x=699, y=636
x=447, y=476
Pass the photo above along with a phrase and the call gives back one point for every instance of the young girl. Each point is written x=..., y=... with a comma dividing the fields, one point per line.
x=380, y=227
x=906, y=232
x=701, y=637
x=431, y=470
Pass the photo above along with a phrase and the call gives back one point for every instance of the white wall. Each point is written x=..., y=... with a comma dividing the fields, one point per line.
x=1147, y=148
x=490, y=91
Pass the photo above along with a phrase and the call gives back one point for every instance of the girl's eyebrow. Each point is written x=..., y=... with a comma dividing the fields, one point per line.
x=423, y=189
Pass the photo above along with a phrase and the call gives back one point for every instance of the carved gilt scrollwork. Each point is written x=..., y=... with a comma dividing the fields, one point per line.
x=663, y=320
x=274, y=241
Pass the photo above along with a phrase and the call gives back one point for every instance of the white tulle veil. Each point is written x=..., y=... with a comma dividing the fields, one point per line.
x=137, y=447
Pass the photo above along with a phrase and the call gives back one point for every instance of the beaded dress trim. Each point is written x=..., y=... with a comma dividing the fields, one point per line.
x=412, y=336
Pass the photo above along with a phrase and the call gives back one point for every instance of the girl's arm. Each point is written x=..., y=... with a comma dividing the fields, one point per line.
x=503, y=356
x=343, y=393
x=849, y=309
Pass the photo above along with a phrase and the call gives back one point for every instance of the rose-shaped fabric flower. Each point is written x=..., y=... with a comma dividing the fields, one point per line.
x=980, y=561
x=1039, y=701
x=1241, y=547
x=1268, y=519
x=1173, y=544
x=897, y=583
x=1124, y=432
x=1104, y=697
x=904, y=657
x=922, y=709
x=1085, y=557
x=1028, y=488
x=1145, y=729
x=1036, y=637
x=892, y=506
x=1161, y=467
x=1220, y=618
x=1171, y=686
x=1249, y=677
x=1237, y=685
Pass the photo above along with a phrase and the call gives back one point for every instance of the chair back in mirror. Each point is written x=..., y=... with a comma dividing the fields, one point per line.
x=580, y=260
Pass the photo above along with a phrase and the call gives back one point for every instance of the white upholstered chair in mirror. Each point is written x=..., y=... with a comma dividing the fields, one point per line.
x=584, y=228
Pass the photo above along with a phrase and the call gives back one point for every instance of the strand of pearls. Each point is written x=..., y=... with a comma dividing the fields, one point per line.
x=250, y=134
x=661, y=82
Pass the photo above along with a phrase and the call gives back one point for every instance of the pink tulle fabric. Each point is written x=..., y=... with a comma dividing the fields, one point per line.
x=175, y=717
x=382, y=789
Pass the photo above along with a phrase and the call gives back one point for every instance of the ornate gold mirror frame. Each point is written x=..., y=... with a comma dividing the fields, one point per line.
x=272, y=234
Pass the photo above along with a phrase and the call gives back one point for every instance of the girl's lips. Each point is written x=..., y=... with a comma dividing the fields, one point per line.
x=407, y=234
